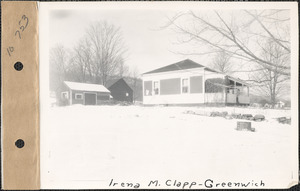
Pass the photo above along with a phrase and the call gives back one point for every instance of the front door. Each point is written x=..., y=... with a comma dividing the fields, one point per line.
x=90, y=99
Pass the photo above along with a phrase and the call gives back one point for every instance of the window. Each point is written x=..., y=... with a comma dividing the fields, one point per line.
x=65, y=95
x=196, y=84
x=185, y=85
x=156, y=88
x=127, y=94
x=148, y=88
x=170, y=86
x=78, y=96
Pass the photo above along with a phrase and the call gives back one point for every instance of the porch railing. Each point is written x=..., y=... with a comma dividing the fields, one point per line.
x=242, y=99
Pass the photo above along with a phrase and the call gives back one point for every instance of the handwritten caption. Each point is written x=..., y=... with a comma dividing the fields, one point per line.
x=22, y=25
x=208, y=183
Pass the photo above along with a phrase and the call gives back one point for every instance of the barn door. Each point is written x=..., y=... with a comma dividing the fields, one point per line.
x=90, y=99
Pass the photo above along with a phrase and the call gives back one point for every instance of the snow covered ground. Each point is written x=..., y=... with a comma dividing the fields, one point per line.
x=87, y=146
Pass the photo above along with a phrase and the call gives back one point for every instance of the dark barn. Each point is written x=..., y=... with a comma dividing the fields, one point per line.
x=120, y=90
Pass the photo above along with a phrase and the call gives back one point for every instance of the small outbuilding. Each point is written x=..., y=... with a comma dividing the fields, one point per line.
x=279, y=104
x=84, y=93
x=120, y=90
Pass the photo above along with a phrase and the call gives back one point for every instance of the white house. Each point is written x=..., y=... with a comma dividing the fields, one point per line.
x=187, y=82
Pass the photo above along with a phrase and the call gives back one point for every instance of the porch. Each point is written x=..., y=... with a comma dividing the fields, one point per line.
x=237, y=92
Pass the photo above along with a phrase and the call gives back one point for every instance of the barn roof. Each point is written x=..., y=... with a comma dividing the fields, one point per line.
x=110, y=82
x=182, y=65
x=86, y=87
x=127, y=80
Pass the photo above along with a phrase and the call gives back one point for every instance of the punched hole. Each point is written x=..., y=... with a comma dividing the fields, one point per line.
x=18, y=66
x=20, y=143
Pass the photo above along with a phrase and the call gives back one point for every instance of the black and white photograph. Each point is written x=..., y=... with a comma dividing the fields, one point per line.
x=169, y=95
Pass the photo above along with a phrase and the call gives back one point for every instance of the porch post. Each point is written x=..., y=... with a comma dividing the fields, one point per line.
x=235, y=90
x=248, y=90
x=235, y=93
x=243, y=86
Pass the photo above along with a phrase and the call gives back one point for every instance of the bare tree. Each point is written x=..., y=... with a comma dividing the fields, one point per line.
x=58, y=67
x=123, y=69
x=81, y=62
x=96, y=57
x=238, y=33
x=272, y=83
x=107, y=48
x=221, y=62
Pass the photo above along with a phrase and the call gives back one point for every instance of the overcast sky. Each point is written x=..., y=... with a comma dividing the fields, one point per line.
x=149, y=46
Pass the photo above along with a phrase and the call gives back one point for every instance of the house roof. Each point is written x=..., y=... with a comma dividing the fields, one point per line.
x=182, y=65
x=86, y=87
x=189, y=64
x=238, y=80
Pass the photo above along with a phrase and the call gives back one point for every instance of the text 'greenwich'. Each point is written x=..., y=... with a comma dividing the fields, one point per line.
x=208, y=183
